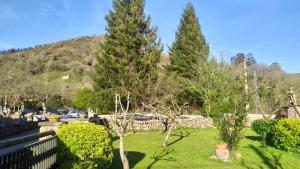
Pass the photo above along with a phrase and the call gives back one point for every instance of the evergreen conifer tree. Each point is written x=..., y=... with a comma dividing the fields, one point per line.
x=127, y=61
x=190, y=48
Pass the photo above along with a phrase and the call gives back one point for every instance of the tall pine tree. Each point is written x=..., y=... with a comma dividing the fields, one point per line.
x=190, y=48
x=128, y=59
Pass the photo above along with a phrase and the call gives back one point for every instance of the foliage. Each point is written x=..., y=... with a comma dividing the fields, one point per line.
x=287, y=134
x=83, y=99
x=85, y=145
x=188, y=50
x=209, y=87
x=239, y=59
x=55, y=101
x=232, y=121
x=264, y=128
x=222, y=92
x=190, y=47
x=128, y=59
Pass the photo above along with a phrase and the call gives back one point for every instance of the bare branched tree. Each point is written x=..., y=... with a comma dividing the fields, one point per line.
x=170, y=110
x=120, y=123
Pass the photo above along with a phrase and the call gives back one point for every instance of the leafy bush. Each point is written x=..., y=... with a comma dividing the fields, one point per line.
x=287, y=134
x=232, y=123
x=263, y=127
x=83, y=99
x=83, y=145
x=55, y=101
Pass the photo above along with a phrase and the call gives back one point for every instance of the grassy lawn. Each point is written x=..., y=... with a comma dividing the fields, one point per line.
x=194, y=151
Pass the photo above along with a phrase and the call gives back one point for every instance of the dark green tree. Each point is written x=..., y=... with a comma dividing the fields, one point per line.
x=127, y=61
x=190, y=48
x=239, y=59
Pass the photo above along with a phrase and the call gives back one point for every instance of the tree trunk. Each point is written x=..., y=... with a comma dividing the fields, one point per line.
x=44, y=107
x=122, y=154
x=169, y=134
x=14, y=107
x=22, y=106
x=4, y=106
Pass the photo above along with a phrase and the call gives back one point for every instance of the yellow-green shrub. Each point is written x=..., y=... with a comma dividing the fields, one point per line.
x=83, y=145
x=287, y=134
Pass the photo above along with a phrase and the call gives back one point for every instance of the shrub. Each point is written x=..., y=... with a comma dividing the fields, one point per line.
x=55, y=101
x=263, y=127
x=287, y=134
x=83, y=99
x=83, y=145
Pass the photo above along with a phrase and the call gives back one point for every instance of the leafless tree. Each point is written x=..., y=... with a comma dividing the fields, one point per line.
x=120, y=123
x=170, y=110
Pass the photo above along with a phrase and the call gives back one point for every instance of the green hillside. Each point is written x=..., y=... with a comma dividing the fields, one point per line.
x=65, y=67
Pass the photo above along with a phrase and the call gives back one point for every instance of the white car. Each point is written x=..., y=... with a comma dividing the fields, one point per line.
x=73, y=114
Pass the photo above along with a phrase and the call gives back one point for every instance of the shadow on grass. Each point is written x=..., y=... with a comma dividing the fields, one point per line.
x=114, y=138
x=180, y=136
x=161, y=155
x=133, y=158
x=254, y=138
x=272, y=161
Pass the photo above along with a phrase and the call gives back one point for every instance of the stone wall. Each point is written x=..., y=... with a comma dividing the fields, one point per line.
x=190, y=121
x=9, y=127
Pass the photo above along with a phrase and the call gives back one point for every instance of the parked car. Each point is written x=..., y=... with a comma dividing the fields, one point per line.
x=62, y=111
x=74, y=114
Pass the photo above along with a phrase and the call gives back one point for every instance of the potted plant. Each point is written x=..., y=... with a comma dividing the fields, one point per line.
x=53, y=118
x=221, y=146
x=222, y=152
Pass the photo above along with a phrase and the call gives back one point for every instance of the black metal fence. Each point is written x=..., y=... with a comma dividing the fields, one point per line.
x=39, y=154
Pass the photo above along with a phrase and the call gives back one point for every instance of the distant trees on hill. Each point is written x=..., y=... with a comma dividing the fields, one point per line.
x=16, y=50
x=239, y=58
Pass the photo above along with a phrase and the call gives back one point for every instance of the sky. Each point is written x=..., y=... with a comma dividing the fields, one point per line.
x=270, y=29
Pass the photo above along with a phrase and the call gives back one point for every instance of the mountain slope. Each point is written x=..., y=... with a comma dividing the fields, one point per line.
x=66, y=66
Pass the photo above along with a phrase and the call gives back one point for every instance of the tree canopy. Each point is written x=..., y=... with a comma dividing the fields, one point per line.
x=190, y=47
x=128, y=59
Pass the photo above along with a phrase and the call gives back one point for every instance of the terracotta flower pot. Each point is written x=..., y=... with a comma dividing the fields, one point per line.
x=221, y=146
x=53, y=118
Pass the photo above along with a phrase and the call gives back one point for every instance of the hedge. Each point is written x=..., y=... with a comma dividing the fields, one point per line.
x=84, y=145
x=287, y=134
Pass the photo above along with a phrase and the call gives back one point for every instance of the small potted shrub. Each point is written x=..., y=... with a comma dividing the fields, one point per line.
x=221, y=146
x=53, y=118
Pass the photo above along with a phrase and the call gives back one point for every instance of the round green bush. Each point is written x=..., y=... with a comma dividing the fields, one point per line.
x=83, y=145
x=263, y=127
x=287, y=134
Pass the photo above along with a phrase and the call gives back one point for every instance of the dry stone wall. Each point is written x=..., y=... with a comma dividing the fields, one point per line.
x=190, y=121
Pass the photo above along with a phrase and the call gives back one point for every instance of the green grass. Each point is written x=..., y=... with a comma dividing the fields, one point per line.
x=194, y=152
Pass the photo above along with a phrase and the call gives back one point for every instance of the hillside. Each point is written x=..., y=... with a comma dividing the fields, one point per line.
x=65, y=67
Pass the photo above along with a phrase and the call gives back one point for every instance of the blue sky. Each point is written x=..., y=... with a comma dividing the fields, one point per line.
x=268, y=28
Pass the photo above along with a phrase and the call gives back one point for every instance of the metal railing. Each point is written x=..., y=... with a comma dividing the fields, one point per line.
x=29, y=152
